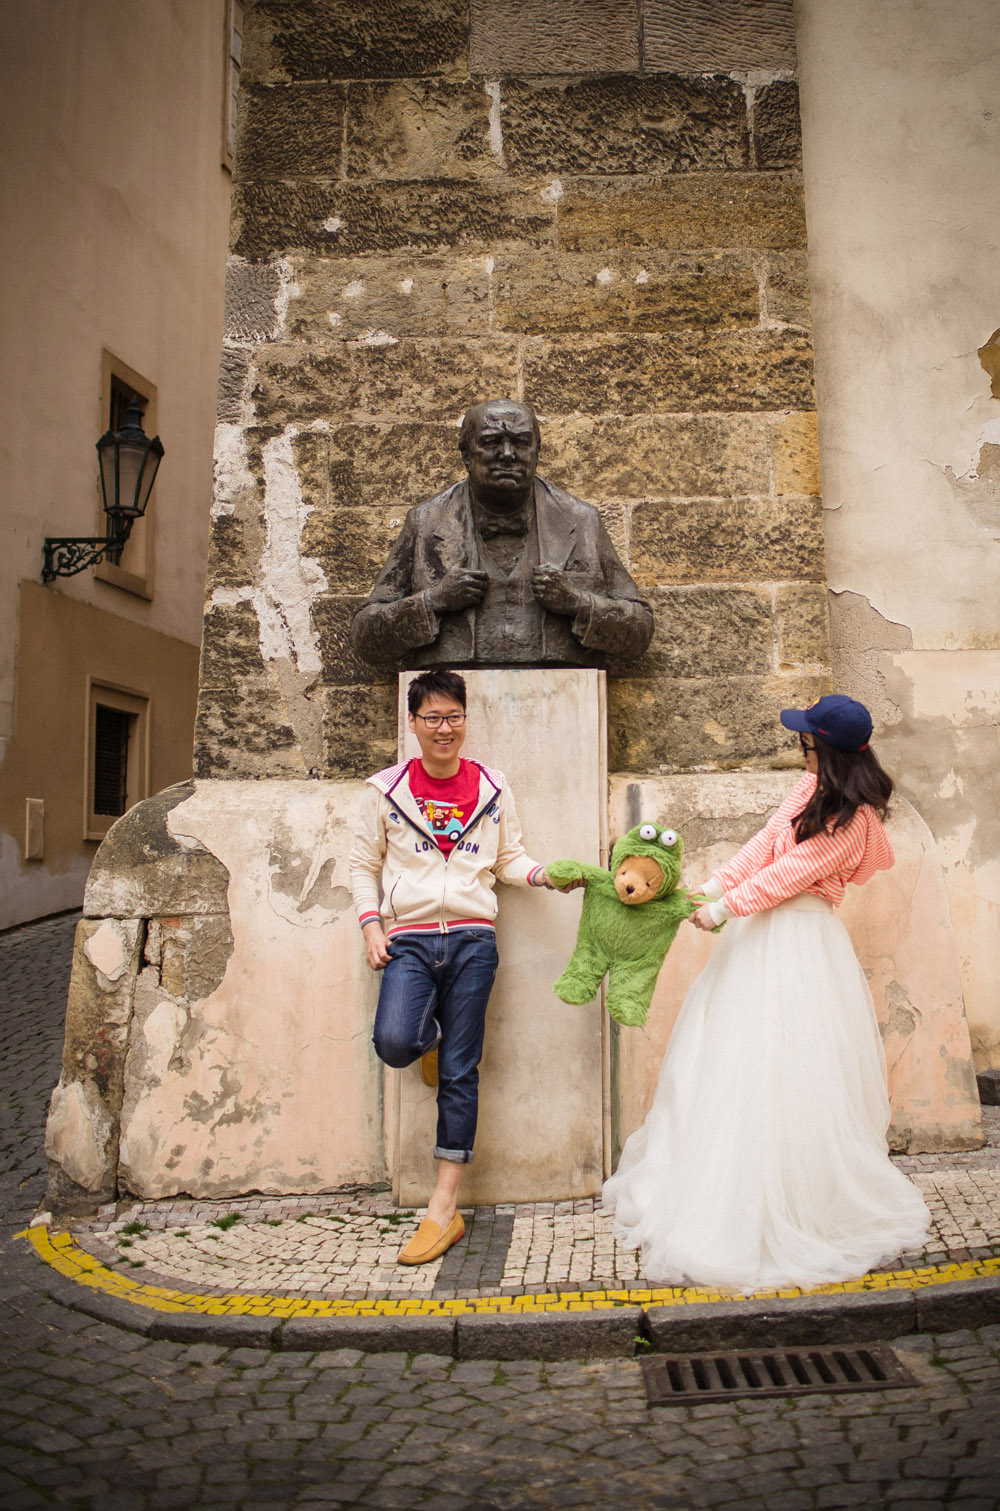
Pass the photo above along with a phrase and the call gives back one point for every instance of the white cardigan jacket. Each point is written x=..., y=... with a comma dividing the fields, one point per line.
x=421, y=890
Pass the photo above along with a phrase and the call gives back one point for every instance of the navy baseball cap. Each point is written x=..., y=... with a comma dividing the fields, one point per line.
x=839, y=721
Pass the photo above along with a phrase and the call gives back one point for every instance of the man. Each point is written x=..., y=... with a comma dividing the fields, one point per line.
x=437, y=833
x=502, y=569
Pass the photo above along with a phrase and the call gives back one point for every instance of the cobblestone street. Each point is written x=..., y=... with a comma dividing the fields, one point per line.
x=100, y=1417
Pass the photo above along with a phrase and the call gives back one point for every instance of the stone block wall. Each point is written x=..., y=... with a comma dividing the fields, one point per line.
x=592, y=205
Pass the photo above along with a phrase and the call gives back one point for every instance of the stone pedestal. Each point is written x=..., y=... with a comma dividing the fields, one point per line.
x=541, y=1104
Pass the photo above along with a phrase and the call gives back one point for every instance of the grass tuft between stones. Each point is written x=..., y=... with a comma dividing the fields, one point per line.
x=227, y=1222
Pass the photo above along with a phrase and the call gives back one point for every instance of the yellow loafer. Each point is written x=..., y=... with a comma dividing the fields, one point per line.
x=429, y=1067
x=431, y=1240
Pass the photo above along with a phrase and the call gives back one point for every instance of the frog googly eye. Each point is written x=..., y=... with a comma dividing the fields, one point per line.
x=668, y=838
x=647, y=831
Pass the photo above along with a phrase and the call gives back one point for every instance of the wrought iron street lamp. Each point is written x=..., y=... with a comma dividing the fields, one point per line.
x=129, y=462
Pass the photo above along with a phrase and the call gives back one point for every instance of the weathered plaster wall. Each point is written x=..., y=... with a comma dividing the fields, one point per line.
x=115, y=220
x=899, y=926
x=62, y=642
x=113, y=233
x=261, y=1076
x=594, y=206
x=902, y=142
x=220, y=1015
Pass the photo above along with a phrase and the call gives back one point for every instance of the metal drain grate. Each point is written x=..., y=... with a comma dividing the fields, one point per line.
x=683, y=1378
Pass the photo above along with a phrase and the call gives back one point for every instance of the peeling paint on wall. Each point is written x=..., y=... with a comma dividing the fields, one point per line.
x=952, y=763
x=903, y=241
x=305, y=878
x=239, y=1088
x=494, y=136
x=107, y=951
x=989, y=361
x=861, y=635
x=233, y=479
x=978, y=487
x=77, y=1132
x=286, y=291
x=288, y=579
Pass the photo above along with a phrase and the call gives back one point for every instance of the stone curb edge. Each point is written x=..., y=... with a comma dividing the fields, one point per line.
x=857, y=1317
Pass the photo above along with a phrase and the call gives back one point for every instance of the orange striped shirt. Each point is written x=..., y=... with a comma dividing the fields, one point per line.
x=771, y=867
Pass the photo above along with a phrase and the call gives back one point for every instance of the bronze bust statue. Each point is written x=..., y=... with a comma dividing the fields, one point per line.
x=503, y=568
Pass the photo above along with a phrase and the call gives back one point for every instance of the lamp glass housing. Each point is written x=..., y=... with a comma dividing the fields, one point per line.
x=129, y=463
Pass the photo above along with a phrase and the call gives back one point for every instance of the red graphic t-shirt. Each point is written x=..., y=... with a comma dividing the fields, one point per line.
x=447, y=805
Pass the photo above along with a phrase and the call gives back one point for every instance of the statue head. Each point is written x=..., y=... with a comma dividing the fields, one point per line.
x=500, y=441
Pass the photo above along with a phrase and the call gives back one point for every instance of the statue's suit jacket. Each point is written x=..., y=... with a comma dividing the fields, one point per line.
x=396, y=624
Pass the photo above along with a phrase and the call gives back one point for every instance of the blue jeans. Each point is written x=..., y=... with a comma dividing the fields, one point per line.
x=440, y=982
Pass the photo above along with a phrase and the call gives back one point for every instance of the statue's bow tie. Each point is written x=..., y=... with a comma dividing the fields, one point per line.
x=498, y=525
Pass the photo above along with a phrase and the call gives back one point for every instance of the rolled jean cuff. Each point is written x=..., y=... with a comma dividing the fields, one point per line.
x=454, y=1156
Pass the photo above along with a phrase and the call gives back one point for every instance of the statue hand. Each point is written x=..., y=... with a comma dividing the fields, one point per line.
x=458, y=588
x=556, y=591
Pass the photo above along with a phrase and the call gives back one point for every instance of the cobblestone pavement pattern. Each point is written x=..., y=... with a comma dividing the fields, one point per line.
x=346, y=1246
x=97, y=1417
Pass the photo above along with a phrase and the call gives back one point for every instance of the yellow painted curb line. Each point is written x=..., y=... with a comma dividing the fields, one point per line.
x=66, y=1257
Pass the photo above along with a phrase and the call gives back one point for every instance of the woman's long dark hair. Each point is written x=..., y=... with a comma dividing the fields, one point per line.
x=845, y=780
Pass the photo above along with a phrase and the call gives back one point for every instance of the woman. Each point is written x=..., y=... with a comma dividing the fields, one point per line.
x=763, y=1161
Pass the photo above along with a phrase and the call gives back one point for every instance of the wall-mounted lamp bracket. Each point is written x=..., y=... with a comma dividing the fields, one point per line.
x=129, y=462
x=69, y=554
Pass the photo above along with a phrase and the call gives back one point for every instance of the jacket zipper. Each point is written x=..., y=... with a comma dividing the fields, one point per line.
x=442, y=924
x=444, y=891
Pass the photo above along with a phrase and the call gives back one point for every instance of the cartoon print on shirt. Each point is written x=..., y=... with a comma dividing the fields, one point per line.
x=447, y=819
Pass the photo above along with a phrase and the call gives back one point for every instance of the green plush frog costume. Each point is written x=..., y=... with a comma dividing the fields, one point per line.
x=630, y=917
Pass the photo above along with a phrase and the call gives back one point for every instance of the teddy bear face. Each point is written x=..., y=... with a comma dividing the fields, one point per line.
x=646, y=863
x=638, y=879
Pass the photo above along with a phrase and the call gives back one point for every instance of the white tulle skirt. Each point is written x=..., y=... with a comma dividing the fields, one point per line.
x=763, y=1161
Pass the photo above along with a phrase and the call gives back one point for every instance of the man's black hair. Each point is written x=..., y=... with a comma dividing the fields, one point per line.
x=445, y=684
